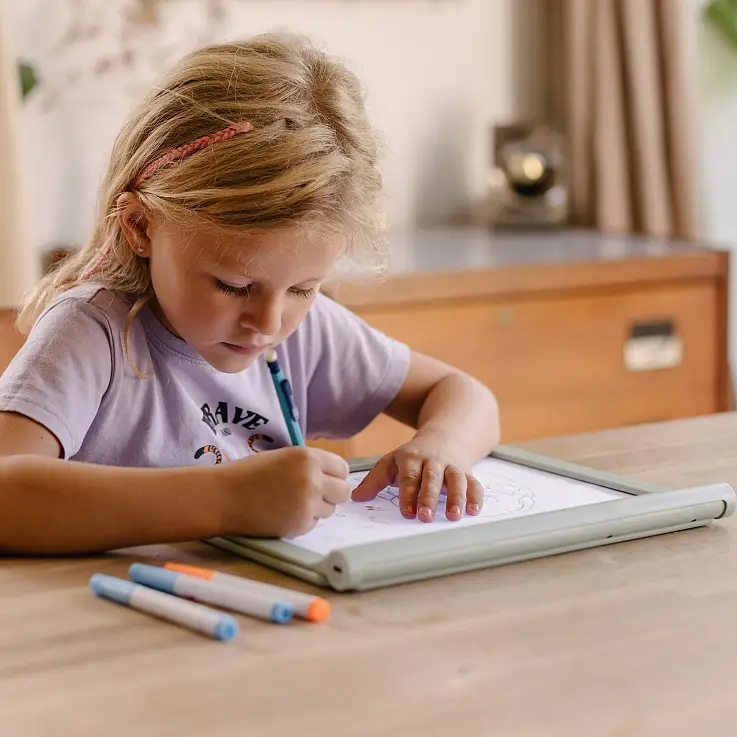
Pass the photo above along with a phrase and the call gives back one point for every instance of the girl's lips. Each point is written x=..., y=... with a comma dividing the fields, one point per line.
x=245, y=350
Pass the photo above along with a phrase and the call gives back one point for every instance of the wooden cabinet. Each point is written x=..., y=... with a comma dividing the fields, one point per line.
x=573, y=332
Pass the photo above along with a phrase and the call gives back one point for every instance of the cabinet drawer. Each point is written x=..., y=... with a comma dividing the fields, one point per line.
x=557, y=365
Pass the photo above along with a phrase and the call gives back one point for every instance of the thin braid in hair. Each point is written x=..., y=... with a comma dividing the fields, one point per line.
x=177, y=154
x=188, y=149
x=94, y=267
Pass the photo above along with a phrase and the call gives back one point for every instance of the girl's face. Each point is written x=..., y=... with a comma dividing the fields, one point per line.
x=232, y=297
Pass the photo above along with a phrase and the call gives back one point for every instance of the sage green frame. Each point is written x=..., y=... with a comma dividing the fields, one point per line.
x=648, y=510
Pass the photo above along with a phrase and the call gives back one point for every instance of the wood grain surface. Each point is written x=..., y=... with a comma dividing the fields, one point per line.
x=633, y=639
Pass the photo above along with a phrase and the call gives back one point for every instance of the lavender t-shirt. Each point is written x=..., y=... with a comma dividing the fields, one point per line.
x=72, y=376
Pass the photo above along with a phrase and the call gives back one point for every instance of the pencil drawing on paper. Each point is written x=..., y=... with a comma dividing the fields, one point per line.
x=502, y=496
x=510, y=491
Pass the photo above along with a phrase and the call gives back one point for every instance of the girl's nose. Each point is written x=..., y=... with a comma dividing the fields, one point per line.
x=263, y=314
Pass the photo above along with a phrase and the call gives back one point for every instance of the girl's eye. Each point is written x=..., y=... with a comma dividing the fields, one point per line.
x=306, y=293
x=234, y=291
x=245, y=291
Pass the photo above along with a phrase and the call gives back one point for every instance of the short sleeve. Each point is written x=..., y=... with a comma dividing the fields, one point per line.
x=58, y=378
x=357, y=371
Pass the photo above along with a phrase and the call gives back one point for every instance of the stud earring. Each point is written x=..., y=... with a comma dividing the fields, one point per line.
x=140, y=249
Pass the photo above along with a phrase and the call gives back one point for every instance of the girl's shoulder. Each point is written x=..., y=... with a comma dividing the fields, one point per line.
x=86, y=319
x=84, y=303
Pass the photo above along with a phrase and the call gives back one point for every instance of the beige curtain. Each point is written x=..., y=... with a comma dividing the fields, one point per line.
x=18, y=261
x=620, y=87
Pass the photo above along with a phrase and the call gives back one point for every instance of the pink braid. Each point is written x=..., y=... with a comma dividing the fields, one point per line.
x=189, y=148
x=95, y=267
x=176, y=154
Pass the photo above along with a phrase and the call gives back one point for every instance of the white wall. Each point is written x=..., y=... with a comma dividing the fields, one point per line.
x=438, y=73
x=717, y=103
x=717, y=90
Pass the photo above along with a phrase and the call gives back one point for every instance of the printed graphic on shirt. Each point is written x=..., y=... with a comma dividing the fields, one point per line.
x=225, y=421
x=210, y=449
x=255, y=439
x=222, y=416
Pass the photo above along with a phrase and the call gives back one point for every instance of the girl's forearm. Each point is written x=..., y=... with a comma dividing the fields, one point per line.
x=55, y=507
x=467, y=407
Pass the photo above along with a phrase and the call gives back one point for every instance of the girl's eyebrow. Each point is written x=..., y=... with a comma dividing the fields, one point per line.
x=322, y=277
x=232, y=270
x=241, y=269
x=245, y=275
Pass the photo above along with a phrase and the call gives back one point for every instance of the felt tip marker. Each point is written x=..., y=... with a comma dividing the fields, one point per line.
x=252, y=603
x=306, y=606
x=286, y=398
x=170, y=608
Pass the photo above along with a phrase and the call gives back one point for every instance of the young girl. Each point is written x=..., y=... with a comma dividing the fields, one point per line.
x=141, y=409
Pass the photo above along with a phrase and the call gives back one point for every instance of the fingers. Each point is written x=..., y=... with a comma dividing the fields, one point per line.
x=463, y=492
x=420, y=482
x=409, y=480
x=429, y=493
x=321, y=495
x=335, y=491
x=323, y=510
x=474, y=496
x=378, y=478
x=456, y=485
x=331, y=464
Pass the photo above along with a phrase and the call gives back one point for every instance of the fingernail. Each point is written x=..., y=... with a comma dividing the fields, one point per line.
x=409, y=510
x=474, y=509
x=426, y=514
x=455, y=510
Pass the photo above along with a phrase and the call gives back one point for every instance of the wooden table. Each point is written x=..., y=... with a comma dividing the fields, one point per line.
x=635, y=639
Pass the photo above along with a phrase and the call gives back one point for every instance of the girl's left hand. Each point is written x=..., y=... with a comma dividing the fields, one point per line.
x=421, y=469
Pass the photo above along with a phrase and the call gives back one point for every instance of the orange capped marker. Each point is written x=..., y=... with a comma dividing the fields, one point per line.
x=306, y=606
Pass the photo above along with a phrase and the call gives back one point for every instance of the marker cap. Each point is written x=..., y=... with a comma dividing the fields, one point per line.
x=153, y=576
x=318, y=610
x=115, y=589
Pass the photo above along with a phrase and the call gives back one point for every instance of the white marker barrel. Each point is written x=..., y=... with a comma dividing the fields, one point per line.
x=306, y=606
x=170, y=608
x=254, y=604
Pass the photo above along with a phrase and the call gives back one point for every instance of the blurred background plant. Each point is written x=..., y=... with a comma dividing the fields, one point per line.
x=722, y=14
x=28, y=78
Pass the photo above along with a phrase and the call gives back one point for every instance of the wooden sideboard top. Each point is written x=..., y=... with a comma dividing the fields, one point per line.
x=450, y=263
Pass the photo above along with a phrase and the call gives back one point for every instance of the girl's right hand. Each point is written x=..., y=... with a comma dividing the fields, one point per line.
x=281, y=493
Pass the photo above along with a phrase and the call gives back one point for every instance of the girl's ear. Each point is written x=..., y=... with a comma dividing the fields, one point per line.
x=134, y=222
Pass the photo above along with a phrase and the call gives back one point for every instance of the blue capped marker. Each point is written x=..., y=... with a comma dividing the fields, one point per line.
x=255, y=604
x=186, y=613
x=286, y=398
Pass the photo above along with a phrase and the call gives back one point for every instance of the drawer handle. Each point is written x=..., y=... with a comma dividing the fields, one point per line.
x=652, y=346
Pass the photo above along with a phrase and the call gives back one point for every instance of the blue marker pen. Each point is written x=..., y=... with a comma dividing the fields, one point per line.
x=286, y=398
x=171, y=608
x=254, y=603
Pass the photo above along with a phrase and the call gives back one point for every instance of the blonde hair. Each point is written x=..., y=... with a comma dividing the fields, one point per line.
x=309, y=158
